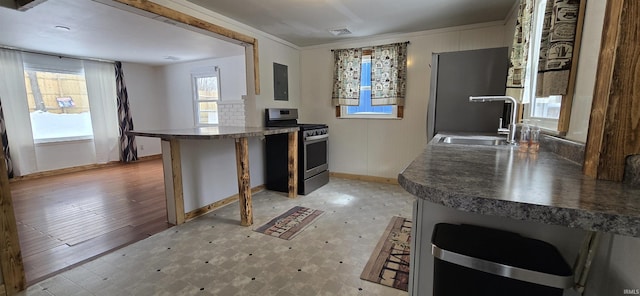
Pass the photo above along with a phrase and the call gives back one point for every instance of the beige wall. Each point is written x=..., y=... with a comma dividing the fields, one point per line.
x=376, y=147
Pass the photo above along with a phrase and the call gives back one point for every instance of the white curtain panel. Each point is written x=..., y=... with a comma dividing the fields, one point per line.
x=101, y=88
x=16, y=112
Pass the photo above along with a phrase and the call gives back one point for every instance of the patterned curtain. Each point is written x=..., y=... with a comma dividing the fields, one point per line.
x=5, y=143
x=556, y=48
x=520, y=51
x=389, y=74
x=128, y=149
x=346, y=77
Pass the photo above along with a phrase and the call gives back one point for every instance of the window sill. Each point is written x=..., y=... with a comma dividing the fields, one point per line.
x=546, y=125
x=230, y=102
x=396, y=113
x=369, y=117
x=62, y=140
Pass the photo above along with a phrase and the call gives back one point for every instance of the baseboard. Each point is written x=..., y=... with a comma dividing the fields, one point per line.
x=149, y=157
x=218, y=204
x=365, y=178
x=79, y=169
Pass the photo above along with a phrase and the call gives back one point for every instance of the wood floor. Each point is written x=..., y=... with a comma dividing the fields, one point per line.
x=68, y=219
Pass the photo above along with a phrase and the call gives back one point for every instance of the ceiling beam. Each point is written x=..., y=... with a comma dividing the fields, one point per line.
x=23, y=5
x=614, y=126
x=197, y=23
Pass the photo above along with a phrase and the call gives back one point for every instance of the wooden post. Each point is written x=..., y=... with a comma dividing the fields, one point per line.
x=176, y=172
x=293, y=164
x=10, y=255
x=256, y=66
x=614, y=126
x=244, y=181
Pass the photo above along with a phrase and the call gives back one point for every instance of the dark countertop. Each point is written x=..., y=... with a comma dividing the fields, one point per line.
x=542, y=187
x=214, y=132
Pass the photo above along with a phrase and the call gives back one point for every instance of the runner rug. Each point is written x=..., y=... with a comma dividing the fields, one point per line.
x=389, y=262
x=291, y=223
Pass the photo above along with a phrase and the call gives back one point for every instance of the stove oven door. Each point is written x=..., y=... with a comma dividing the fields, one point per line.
x=315, y=154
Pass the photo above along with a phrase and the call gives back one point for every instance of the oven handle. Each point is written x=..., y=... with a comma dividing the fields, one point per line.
x=314, y=138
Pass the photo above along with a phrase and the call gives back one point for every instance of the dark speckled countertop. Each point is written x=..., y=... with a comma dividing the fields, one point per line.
x=542, y=187
x=214, y=132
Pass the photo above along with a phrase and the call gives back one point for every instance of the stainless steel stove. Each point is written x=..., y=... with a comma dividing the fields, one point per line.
x=313, y=147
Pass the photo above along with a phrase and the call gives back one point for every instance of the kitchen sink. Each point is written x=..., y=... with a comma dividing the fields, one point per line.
x=472, y=141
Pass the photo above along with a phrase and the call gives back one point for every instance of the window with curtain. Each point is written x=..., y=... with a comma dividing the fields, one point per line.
x=56, y=99
x=542, y=107
x=370, y=82
x=553, y=51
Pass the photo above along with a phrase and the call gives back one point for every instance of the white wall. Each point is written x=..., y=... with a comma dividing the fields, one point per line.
x=274, y=52
x=209, y=170
x=178, y=93
x=375, y=147
x=147, y=102
x=60, y=155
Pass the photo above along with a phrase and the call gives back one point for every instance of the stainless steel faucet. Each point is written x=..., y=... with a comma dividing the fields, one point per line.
x=511, y=138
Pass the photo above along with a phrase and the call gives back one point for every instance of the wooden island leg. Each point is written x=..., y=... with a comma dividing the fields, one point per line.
x=293, y=164
x=172, y=169
x=244, y=181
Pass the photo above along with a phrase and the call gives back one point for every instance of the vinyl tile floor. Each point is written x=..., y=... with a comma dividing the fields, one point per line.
x=214, y=255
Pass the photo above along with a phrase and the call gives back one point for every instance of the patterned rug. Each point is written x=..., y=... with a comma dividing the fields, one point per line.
x=289, y=224
x=389, y=262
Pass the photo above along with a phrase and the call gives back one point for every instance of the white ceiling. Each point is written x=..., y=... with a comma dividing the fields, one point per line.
x=308, y=22
x=104, y=32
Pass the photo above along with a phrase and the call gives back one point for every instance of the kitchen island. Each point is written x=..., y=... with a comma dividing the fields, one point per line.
x=496, y=185
x=197, y=141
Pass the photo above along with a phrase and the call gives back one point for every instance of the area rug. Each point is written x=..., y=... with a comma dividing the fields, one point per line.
x=389, y=262
x=291, y=223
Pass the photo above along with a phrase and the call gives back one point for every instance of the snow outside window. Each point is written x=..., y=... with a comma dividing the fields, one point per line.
x=58, y=105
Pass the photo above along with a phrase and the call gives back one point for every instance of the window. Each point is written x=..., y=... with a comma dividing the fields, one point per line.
x=541, y=109
x=58, y=103
x=546, y=107
x=558, y=44
x=206, y=90
x=365, y=109
x=370, y=82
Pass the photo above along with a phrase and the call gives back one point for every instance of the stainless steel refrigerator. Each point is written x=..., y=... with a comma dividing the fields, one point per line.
x=457, y=75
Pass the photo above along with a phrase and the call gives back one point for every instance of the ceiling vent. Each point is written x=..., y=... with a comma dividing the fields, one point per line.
x=340, y=32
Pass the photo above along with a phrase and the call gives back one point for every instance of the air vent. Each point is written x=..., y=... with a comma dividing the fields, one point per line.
x=340, y=32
